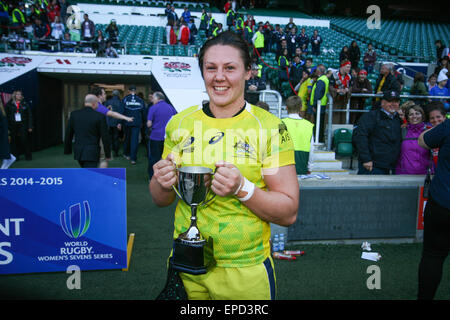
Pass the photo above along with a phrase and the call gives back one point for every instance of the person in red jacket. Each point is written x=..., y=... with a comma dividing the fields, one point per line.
x=184, y=34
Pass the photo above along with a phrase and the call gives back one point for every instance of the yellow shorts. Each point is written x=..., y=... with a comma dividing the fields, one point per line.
x=246, y=283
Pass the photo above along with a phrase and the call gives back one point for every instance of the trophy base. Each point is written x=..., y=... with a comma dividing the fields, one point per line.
x=188, y=256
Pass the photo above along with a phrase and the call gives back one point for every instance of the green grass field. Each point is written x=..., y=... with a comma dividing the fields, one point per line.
x=325, y=272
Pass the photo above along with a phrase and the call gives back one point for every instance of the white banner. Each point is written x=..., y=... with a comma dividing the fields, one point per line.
x=126, y=65
x=13, y=66
x=181, y=80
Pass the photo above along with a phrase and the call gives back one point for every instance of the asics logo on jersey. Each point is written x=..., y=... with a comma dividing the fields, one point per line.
x=216, y=138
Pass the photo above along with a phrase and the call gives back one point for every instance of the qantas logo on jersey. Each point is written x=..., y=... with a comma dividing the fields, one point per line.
x=243, y=149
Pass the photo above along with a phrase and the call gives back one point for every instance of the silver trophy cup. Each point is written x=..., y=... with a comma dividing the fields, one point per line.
x=188, y=248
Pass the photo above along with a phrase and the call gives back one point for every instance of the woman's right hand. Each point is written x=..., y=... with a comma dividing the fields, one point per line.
x=165, y=172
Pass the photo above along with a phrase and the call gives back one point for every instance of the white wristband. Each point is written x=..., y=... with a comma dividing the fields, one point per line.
x=248, y=189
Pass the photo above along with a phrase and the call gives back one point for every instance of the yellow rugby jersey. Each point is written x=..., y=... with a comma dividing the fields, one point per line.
x=252, y=140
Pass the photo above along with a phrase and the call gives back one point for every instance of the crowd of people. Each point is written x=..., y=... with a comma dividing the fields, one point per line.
x=45, y=23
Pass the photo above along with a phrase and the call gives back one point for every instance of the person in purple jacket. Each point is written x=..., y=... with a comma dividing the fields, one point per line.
x=158, y=117
x=413, y=158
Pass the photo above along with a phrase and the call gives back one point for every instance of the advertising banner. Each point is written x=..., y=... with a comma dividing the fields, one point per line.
x=51, y=219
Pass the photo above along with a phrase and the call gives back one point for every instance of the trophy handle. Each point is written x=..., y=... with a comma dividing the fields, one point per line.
x=214, y=195
x=177, y=192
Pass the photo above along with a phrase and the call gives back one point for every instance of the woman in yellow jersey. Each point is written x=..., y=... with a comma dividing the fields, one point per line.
x=255, y=180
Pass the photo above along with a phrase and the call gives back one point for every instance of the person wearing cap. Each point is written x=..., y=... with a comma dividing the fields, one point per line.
x=440, y=89
x=254, y=84
x=134, y=107
x=361, y=85
x=378, y=137
x=340, y=89
x=385, y=83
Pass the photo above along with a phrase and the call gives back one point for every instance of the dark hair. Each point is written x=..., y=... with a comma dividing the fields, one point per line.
x=419, y=77
x=435, y=105
x=227, y=38
x=97, y=91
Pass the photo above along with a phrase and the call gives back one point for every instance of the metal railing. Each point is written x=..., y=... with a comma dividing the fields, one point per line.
x=347, y=110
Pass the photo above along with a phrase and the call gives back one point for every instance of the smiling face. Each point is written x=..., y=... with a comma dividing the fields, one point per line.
x=225, y=74
x=414, y=116
x=436, y=117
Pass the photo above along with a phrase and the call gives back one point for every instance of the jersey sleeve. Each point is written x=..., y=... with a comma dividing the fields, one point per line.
x=279, y=148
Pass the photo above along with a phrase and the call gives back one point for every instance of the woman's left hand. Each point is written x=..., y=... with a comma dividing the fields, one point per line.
x=227, y=179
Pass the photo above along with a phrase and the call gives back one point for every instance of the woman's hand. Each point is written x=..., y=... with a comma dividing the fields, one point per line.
x=165, y=172
x=227, y=179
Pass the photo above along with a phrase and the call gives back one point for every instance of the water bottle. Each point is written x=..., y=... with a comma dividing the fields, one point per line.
x=281, y=243
x=276, y=243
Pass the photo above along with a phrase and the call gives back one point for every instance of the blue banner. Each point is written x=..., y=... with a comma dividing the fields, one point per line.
x=54, y=218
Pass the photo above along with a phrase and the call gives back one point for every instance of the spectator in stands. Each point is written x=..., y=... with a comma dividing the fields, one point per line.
x=292, y=41
x=210, y=25
x=57, y=29
x=227, y=7
x=402, y=112
x=110, y=51
x=67, y=45
x=340, y=90
x=385, y=83
x=172, y=15
x=319, y=92
x=87, y=28
x=100, y=44
x=440, y=89
x=250, y=22
x=171, y=37
x=354, y=54
x=432, y=81
x=37, y=12
x=435, y=113
x=158, y=117
x=18, y=19
x=184, y=33
x=344, y=54
x=377, y=137
x=290, y=25
x=231, y=16
x=63, y=10
x=115, y=125
x=112, y=30
x=4, y=18
x=167, y=10
x=436, y=236
x=296, y=71
x=360, y=85
x=192, y=31
x=20, y=124
x=42, y=4
x=413, y=159
x=399, y=77
x=308, y=64
x=52, y=12
x=304, y=92
x=203, y=20
x=369, y=59
x=301, y=132
x=303, y=41
x=258, y=39
x=419, y=88
x=441, y=50
x=283, y=66
x=316, y=40
x=41, y=32
x=254, y=84
x=186, y=14
x=283, y=46
x=239, y=23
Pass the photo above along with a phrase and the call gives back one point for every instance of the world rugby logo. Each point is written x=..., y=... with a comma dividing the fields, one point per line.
x=75, y=224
